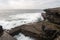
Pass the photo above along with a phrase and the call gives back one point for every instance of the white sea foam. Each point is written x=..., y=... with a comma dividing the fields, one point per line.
x=20, y=19
x=21, y=36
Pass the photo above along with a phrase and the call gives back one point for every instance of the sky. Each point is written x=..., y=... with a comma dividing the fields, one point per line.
x=29, y=4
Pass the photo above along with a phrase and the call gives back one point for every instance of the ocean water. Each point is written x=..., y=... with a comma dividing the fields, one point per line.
x=11, y=19
x=20, y=19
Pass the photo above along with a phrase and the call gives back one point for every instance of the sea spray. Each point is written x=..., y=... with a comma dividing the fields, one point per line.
x=20, y=19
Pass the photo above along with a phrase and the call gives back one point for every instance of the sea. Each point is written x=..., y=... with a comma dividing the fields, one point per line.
x=11, y=18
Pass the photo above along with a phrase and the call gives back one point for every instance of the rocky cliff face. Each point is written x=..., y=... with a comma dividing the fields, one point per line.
x=53, y=15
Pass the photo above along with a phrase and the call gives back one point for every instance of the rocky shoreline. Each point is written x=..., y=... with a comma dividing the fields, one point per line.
x=49, y=29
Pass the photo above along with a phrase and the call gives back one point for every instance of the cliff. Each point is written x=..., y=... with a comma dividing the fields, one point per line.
x=53, y=15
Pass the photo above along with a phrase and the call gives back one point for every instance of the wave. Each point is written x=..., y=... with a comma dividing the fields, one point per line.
x=20, y=19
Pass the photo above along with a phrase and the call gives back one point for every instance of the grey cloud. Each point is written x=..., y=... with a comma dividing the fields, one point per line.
x=28, y=4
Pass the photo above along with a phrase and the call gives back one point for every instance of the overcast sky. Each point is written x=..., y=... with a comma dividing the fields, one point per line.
x=28, y=4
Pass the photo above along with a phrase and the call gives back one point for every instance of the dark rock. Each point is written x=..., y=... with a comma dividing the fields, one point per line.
x=53, y=15
x=1, y=30
x=50, y=34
